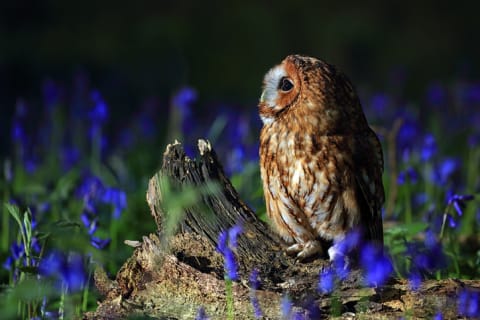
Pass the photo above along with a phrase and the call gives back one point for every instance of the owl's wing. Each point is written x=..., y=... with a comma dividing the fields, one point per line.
x=368, y=176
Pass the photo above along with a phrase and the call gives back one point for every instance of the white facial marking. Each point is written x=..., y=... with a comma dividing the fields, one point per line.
x=272, y=78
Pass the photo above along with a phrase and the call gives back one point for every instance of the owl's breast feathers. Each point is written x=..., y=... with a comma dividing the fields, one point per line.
x=326, y=183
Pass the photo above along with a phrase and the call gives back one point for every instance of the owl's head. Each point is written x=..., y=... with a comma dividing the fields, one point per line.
x=306, y=82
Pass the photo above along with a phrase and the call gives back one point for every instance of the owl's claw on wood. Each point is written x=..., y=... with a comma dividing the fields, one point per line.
x=305, y=250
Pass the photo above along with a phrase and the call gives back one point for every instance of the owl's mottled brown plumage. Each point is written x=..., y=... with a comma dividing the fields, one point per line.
x=321, y=164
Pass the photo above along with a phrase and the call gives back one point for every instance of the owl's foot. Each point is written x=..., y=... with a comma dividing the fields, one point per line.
x=305, y=250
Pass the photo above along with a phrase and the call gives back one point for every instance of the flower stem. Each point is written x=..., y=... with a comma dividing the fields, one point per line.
x=229, y=296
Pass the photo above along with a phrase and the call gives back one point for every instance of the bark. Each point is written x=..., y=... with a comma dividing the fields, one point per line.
x=177, y=270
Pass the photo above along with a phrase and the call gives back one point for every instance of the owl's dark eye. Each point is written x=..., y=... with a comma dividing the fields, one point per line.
x=285, y=84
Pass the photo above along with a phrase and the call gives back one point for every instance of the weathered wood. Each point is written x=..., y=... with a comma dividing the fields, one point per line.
x=170, y=277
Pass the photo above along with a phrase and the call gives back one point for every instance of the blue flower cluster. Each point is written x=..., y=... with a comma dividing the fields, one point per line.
x=67, y=270
x=94, y=194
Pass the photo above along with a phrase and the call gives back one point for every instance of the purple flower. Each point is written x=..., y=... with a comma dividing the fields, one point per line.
x=227, y=242
x=99, y=243
x=99, y=112
x=184, y=98
x=117, y=198
x=410, y=173
x=379, y=103
x=459, y=202
x=407, y=135
x=286, y=306
x=428, y=257
x=201, y=314
x=8, y=263
x=69, y=271
x=69, y=157
x=429, y=148
x=438, y=316
x=326, y=283
x=376, y=266
x=51, y=263
x=254, y=279
x=94, y=193
x=414, y=281
x=444, y=171
x=469, y=303
x=230, y=264
x=233, y=234
x=254, y=285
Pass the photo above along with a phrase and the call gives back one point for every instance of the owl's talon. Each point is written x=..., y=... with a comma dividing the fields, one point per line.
x=310, y=248
x=305, y=250
x=294, y=249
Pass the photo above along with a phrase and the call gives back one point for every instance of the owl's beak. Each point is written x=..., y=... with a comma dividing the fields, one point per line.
x=262, y=97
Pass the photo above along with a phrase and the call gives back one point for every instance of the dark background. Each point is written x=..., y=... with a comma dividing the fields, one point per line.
x=143, y=49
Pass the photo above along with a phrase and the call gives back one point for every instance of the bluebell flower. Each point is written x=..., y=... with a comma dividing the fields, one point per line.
x=451, y=221
x=99, y=243
x=459, y=202
x=445, y=170
x=427, y=258
x=90, y=222
x=236, y=160
x=52, y=263
x=379, y=103
x=254, y=285
x=8, y=263
x=182, y=101
x=469, y=303
x=429, y=148
x=326, y=282
x=227, y=242
x=233, y=234
x=184, y=98
x=286, y=307
x=74, y=273
x=376, y=266
x=99, y=112
x=69, y=157
x=18, y=132
x=420, y=198
x=410, y=173
x=407, y=135
x=94, y=192
x=201, y=314
x=438, y=316
x=230, y=264
x=117, y=198
x=254, y=279
x=343, y=249
x=414, y=281
x=68, y=271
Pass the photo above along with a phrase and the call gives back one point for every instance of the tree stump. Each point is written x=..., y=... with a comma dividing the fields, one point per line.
x=176, y=271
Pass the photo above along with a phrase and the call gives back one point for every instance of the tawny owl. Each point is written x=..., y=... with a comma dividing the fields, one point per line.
x=321, y=164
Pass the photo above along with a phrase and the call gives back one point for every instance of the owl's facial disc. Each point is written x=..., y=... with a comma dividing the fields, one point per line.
x=279, y=90
x=271, y=85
